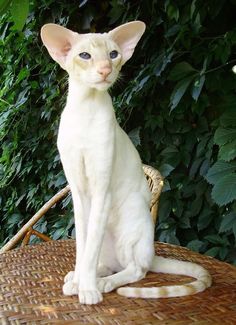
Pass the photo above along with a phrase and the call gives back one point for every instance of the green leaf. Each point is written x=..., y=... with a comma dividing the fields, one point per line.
x=60, y=181
x=4, y=117
x=192, y=9
x=234, y=230
x=219, y=170
x=228, y=222
x=197, y=87
x=216, y=239
x=134, y=136
x=201, y=147
x=58, y=233
x=24, y=73
x=196, y=206
x=172, y=12
x=66, y=201
x=14, y=219
x=41, y=226
x=116, y=11
x=213, y=252
x=171, y=238
x=229, y=117
x=166, y=169
x=223, y=135
x=228, y=151
x=224, y=191
x=171, y=150
x=223, y=252
x=204, y=219
x=173, y=30
x=197, y=23
x=4, y=5
x=195, y=245
x=166, y=186
x=179, y=91
x=181, y=70
x=161, y=62
x=82, y=3
x=143, y=81
x=195, y=167
x=19, y=11
x=204, y=167
x=164, y=209
x=184, y=221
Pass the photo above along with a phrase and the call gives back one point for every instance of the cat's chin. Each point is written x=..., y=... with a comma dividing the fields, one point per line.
x=102, y=86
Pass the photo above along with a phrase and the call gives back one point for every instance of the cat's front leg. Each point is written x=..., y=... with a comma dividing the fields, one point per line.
x=81, y=211
x=88, y=292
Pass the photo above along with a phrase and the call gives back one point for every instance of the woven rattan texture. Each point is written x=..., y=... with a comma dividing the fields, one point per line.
x=31, y=281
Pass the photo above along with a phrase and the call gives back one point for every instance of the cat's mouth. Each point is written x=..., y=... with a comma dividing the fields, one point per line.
x=105, y=81
x=101, y=84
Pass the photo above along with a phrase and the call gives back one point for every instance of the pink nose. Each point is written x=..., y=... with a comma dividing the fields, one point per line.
x=104, y=68
x=104, y=71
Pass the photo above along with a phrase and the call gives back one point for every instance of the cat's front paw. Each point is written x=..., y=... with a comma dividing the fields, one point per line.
x=90, y=297
x=70, y=288
x=69, y=276
x=105, y=285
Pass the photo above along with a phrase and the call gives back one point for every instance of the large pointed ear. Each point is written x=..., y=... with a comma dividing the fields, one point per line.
x=58, y=41
x=127, y=36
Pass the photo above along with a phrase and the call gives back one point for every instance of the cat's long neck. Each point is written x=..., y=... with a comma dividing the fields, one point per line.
x=80, y=95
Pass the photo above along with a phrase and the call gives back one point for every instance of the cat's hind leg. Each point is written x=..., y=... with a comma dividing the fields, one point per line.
x=130, y=274
x=134, y=245
x=140, y=257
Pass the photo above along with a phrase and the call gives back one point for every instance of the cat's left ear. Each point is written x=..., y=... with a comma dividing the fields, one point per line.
x=58, y=41
x=127, y=36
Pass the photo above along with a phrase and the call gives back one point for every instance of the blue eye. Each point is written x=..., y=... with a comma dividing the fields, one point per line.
x=113, y=54
x=85, y=55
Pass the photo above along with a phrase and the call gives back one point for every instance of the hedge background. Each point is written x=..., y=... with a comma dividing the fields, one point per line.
x=176, y=100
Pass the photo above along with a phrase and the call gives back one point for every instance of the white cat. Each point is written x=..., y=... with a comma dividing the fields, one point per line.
x=114, y=229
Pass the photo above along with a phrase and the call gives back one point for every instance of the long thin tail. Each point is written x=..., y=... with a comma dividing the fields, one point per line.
x=167, y=265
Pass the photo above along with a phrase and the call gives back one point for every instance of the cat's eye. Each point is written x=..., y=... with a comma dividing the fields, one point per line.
x=113, y=54
x=85, y=55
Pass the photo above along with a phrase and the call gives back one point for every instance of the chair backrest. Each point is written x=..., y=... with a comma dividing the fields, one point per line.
x=155, y=182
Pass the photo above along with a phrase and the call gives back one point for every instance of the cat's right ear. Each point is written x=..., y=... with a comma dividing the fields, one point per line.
x=58, y=41
x=127, y=36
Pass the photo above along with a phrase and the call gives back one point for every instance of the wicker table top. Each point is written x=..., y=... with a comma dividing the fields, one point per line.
x=31, y=281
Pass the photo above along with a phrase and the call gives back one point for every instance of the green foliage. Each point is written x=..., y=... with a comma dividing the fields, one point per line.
x=19, y=10
x=222, y=175
x=176, y=100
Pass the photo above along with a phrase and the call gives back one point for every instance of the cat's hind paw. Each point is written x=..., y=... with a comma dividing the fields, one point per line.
x=105, y=285
x=90, y=297
x=103, y=271
x=70, y=288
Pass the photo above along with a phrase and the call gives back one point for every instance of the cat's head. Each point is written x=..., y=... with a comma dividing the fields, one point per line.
x=93, y=59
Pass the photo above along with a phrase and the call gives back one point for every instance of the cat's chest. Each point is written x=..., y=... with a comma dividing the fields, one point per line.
x=85, y=128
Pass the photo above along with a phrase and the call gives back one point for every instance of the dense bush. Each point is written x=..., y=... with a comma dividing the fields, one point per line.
x=177, y=99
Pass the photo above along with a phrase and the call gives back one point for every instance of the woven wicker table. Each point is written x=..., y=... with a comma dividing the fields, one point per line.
x=31, y=280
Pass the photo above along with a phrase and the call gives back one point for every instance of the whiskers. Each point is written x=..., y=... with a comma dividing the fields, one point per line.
x=65, y=82
x=119, y=81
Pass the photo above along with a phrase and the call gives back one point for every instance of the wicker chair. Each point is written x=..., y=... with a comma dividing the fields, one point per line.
x=31, y=278
x=155, y=182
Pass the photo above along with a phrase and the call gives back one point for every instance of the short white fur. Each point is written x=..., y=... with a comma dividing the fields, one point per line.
x=114, y=229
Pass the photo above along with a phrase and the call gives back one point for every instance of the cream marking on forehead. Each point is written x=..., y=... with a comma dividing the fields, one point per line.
x=100, y=42
x=96, y=41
